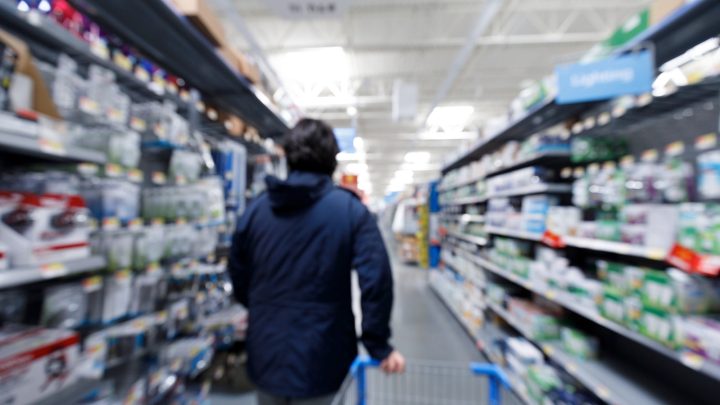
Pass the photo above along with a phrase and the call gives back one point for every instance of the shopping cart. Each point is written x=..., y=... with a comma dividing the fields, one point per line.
x=425, y=383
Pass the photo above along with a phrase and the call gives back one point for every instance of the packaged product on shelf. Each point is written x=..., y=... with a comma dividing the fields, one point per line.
x=709, y=174
x=117, y=247
x=578, y=343
x=144, y=290
x=521, y=355
x=64, y=306
x=111, y=198
x=542, y=379
x=7, y=66
x=120, y=147
x=679, y=292
x=596, y=149
x=42, y=182
x=563, y=221
x=65, y=83
x=148, y=247
x=659, y=325
x=42, y=229
x=37, y=363
x=13, y=307
x=118, y=293
x=185, y=165
x=541, y=323
x=701, y=335
x=678, y=180
x=633, y=309
x=191, y=356
x=612, y=306
x=698, y=228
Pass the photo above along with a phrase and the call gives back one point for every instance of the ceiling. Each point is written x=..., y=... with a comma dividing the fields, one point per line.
x=458, y=52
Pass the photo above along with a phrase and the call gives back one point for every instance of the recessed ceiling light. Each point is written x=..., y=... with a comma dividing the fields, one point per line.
x=352, y=111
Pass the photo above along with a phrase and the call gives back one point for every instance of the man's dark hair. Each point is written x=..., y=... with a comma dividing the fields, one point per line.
x=311, y=147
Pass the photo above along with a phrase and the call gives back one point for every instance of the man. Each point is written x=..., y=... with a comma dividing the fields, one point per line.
x=291, y=263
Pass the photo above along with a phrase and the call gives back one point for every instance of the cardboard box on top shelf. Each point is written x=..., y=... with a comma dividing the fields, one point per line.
x=42, y=101
x=240, y=63
x=203, y=18
x=660, y=9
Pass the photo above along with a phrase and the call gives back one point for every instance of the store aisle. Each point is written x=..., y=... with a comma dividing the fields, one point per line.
x=423, y=329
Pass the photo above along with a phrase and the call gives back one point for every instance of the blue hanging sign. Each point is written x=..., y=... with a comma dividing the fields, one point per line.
x=609, y=78
x=345, y=139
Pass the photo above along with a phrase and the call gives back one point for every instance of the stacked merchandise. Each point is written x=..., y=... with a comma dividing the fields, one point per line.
x=619, y=231
x=109, y=234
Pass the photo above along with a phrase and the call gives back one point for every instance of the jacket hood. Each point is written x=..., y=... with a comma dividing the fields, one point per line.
x=301, y=189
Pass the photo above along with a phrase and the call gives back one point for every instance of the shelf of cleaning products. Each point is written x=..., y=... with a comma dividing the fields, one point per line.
x=593, y=315
x=24, y=137
x=20, y=276
x=169, y=39
x=40, y=30
x=464, y=218
x=478, y=240
x=513, y=233
x=686, y=27
x=610, y=380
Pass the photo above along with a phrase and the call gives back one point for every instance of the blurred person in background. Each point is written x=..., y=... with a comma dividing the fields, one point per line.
x=291, y=263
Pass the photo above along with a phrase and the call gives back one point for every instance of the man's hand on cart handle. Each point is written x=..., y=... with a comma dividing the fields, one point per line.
x=394, y=363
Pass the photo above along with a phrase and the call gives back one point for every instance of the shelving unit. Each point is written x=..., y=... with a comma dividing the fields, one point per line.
x=156, y=29
x=17, y=277
x=593, y=315
x=610, y=380
x=478, y=240
x=24, y=137
x=513, y=233
x=533, y=189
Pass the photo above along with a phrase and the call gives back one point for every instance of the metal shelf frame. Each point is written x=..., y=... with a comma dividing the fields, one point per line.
x=21, y=276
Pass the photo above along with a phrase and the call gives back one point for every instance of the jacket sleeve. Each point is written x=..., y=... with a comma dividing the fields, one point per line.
x=371, y=262
x=238, y=265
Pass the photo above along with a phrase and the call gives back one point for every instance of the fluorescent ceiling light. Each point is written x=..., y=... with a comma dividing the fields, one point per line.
x=352, y=111
x=417, y=157
x=452, y=117
x=404, y=175
x=314, y=65
x=357, y=168
x=420, y=167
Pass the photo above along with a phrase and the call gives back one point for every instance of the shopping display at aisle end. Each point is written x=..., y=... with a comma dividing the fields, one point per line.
x=120, y=187
x=580, y=247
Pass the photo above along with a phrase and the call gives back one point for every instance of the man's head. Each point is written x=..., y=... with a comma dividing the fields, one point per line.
x=311, y=147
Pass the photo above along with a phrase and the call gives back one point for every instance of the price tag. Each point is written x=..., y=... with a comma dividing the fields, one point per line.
x=181, y=221
x=577, y=128
x=551, y=295
x=92, y=283
x=111, y=224
x=88, y=169
x=152, y=268
x=51, y=146
x=88, y=106
x=705, y=142
x=114, y=115
x=589, y=123
x=675, y=148
x=138, y=124
x=135, y=224
x=113, y=170
x=142, y=74
x=159, y=178
x=135, y=175
x=553, y=240
x=53, y=270
x=627, y=161
x=604, y=118
x=122, y=275
x=548, y=350
x=603, y=392
x=180, y=180
x=692, y=360
x=571, y=367
x=656, y=254
x=649, y=156
x=619, y=111
x=157, y=222
x=644, y=99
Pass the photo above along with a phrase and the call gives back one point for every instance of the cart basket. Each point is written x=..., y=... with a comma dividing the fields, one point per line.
x=425, y=383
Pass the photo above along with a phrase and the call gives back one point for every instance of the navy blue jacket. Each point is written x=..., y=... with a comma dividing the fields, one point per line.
x=290, y=263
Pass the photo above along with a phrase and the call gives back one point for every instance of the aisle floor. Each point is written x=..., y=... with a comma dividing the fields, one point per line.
x=423, y=328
